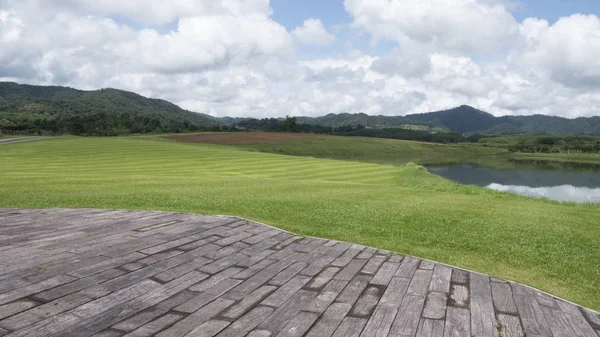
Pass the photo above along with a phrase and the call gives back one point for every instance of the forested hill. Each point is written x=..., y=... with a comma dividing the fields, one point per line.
x=466, y=119
x=108, y=112
x=105, y=112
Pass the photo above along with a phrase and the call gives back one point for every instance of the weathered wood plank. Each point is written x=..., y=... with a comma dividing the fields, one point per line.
x=575, y=318
x=435, y=307
x=182, y=269
x=480, y=286
x=592, y=317
x=307, y=286
x=381, y=321
x=282, y=294
x=326, y=296
x=460, y=276
x=330, y=320
x=385, y=273
x=367, y=301
x=459, y=296
x=408, y=267
x=510, y=326
x=367, y=253
x=102, y=266
x=286, y=274
x=503, y=298
x=105, y=303
x=35, y=288
x=260, y=333
x=208, y=296
x=373, y=265
x=325, y=276
x=55, y=326
x=353, y=290
x=395, y=291
x=350, y=270
x=350, y=327
x=155, y=326
x=545, y=300
x=407, y=320
x=248, y=302
x=288, y=310
x=152, y=313
x=53, y=308
x=440, y=281
x=209, y=329
x=531, y=315
x=419, y=283
x=223, y=263
x=15, y=307
x=428, y=265
x=457, y=323
x=483, y=320
x=263, y=276
x=196, y=319
x=216, y=279
x=430, y=328
x=299, y=325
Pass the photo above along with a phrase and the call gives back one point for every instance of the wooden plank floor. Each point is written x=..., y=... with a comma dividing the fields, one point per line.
x=72, y=272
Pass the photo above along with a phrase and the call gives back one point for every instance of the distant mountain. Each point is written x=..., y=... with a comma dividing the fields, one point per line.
x=462, y=119
x=343, y=119
x=58, y=110
x=230, y=120
x=107, y=112
x=466, y=119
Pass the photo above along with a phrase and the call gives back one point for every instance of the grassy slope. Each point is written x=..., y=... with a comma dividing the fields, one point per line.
x=548, y=245
x=375, y=150
x=394, y=152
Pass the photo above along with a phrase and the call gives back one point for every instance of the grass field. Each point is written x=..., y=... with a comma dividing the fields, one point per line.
x=376, y=150
x=393, y=152
x=549, y=245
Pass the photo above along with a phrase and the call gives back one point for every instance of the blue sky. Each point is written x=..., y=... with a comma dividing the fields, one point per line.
x=551, y=10
x=291, y=13
x=334, y=16
x=266, y=58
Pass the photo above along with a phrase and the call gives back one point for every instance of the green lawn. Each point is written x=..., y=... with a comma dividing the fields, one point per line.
x=548, y=245
x=376, y=150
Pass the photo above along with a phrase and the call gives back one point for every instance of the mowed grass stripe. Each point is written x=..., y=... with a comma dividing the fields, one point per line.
x=210, y=160
x=405, y=209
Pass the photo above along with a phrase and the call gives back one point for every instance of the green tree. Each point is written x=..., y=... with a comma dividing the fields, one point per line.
x=289, y=124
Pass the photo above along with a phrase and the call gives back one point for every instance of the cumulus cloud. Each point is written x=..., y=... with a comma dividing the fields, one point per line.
x=230, y=57
x=312, y=32
x=77, y=48
x=464, y=26
x=408, y=61
x=566, y=51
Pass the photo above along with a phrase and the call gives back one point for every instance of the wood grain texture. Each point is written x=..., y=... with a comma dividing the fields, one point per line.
x=106, y=273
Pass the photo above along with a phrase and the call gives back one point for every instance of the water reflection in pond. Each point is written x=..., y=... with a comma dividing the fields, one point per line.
x=553, y=180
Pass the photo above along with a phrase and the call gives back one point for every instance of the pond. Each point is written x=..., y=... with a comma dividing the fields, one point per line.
x=562, y=181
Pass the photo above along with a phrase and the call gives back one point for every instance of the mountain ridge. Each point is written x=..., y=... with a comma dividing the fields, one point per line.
x=112, y=111
x=103, y=112
x=465, y=119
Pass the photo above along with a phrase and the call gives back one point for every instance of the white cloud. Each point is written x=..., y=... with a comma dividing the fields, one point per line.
x=463, y=26
x=409, y=64
x=565, y=51
x=10, y=27
x=204, y=42
x=313, y=33
x=230, y=57
x=149, y=12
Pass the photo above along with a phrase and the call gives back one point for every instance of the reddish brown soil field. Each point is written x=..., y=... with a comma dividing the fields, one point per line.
x=241, y=137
